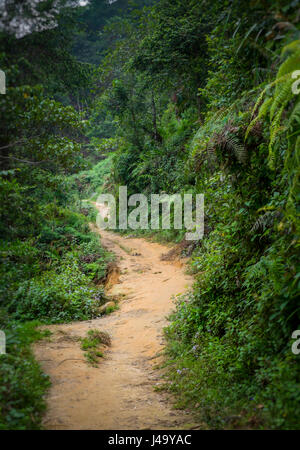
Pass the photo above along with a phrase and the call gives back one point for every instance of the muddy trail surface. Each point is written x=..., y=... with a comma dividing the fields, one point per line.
x=120, y=393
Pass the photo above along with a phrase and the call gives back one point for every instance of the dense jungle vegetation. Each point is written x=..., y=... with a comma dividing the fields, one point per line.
x=193, y=96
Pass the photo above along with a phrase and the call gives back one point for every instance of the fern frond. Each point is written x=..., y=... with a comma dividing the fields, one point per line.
x=262, y=113
x=268, y=87
x=274, y=130
x=280, y=99
x=291, y=48
x=290, y=64
x=283, y=94
x=237, y=148
x=295, y=115
x=265, y=221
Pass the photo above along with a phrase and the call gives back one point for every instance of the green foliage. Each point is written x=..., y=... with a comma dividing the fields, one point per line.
x=56, y=297
x=23, y=384
x=90, y=345
x=44, y=277
x=230, y=338
x=49, y=259
x=277, y=103
x=50, y=277
x=90, y=183
x=189, y=97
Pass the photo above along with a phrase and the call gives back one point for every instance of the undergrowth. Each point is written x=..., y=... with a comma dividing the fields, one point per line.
x=91, y=343
x=54, y=277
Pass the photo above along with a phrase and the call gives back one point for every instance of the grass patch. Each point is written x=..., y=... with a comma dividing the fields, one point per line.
x=111, y=309
x=91, y=345
x=23, y=384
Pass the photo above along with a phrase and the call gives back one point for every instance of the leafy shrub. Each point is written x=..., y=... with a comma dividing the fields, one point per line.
x=23, y=383
x=57, y=297
x=230, y=340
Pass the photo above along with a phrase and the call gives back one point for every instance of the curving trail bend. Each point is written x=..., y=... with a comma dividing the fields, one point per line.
x=119, y=394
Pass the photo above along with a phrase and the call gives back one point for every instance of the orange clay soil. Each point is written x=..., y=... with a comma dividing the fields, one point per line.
x=118, y=394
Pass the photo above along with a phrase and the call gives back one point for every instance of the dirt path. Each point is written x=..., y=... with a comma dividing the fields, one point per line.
x=118, y=394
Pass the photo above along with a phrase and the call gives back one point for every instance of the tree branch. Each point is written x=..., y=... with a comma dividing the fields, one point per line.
x=24, y=160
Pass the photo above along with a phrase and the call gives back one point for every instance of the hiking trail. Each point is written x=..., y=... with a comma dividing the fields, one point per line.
x=118, y=394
